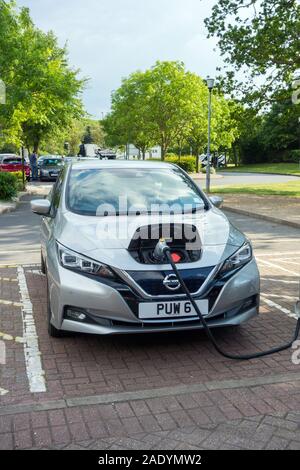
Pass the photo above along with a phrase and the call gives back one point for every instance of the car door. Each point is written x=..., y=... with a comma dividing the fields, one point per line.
x=48, y=223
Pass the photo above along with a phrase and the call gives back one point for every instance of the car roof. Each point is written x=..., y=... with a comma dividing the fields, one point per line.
x=8, y=155
x=119, y=164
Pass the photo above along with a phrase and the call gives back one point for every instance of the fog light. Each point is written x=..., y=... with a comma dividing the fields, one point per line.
x=297, y=309
x=76, y=315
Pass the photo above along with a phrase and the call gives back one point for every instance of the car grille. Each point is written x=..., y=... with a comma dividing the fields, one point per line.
x=152, y=282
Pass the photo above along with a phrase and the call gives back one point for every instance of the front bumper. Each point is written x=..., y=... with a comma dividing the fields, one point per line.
x=114, y=310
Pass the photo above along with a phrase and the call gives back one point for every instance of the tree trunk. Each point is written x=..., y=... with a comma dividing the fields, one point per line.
x=36, y=145
x=235, y=156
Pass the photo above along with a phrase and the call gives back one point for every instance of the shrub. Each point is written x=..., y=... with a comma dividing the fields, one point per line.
x=291, y=156
x=19, y=177
x=187, y=163
x=8, y=186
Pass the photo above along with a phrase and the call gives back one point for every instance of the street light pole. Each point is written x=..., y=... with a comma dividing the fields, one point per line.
x=210, y=84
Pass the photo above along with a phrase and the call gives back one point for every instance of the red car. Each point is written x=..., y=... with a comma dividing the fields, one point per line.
x=11, y=163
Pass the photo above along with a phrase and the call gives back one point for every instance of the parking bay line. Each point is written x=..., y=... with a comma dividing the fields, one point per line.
x=281, y=281
x=272, y=265
x=275, y=305
x=35, y=373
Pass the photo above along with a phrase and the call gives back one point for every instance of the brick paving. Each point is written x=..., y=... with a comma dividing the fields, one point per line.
x=182, y=394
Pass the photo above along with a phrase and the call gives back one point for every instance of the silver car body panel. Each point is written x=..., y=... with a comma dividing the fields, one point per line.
x=86, y=236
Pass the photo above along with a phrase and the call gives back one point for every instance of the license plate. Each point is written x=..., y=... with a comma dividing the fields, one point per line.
x=54, y=173
x=172, y=310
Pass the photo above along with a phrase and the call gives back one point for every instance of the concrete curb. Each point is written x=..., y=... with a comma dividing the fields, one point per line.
x=5, y=208
x=267, y=218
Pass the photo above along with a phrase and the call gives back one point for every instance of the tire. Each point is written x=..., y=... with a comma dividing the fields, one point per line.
x=43, y=265
x=52, y=331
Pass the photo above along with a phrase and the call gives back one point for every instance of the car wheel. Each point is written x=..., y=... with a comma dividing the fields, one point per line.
x=52, y=331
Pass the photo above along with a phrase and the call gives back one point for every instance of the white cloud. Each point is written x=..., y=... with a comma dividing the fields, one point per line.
x=109, y=39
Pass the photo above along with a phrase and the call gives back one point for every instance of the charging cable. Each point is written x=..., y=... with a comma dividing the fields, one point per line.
x=162, y=250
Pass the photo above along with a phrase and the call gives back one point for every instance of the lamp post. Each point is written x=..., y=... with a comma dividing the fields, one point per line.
x=210, y=85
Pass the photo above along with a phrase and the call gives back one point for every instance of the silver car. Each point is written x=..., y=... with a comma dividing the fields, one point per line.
x=100, y=226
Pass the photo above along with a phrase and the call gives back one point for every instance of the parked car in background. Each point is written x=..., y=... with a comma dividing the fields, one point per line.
x=40, y=161
x=50, y=168
x=216, y=161
x=11, y=163
x=106, y=154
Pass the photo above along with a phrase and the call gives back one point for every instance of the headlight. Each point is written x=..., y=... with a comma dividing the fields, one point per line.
x=71, y=260
x=239, y=259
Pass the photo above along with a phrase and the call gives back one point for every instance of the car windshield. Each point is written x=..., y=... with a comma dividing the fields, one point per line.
x=52, y=162
x=12, y=160
x=132, y=191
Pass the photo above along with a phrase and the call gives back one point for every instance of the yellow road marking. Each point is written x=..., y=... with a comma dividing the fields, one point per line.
x=8, y=279
x=8, y=266
x=9, y=302
x=6, y=337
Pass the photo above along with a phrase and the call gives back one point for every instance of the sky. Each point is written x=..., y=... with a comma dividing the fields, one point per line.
x=109, y=39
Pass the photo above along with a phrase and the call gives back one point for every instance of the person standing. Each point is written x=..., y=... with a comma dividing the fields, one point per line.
x=34, y=167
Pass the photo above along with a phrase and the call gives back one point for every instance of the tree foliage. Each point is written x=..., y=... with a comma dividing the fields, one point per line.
x=167, y=106
x=43, y=92
x=261, y=39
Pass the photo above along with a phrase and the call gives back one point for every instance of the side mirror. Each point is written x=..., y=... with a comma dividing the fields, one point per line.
x=217, y=201
x=41, y=207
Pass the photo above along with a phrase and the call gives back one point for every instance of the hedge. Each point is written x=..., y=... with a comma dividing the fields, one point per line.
x=9, y=185
x=187, y=163
x=292, y=156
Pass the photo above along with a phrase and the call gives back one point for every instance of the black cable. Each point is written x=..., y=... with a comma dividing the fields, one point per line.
x=167, y=251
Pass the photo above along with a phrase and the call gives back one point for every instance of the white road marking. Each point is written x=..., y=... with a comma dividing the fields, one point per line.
x=35, y=373
x=287, y=297
x=288, y=262
x=279, y=253
x=272, y=265
x=3, y=392
x=272, y=304
x=263, y=278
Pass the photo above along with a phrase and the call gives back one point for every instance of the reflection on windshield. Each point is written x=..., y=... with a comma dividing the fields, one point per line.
x=52, y=163
x=132, y=191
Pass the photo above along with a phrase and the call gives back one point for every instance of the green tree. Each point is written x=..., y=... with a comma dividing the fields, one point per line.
x=165, y=105
x=259, y=38
x=43, y=91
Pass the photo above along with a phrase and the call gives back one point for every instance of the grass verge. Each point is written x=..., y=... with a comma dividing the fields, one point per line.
x=290, y=189
x=279, y=168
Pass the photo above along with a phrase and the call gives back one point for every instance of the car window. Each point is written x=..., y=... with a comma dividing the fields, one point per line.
x=146, y=191
x=56, y=193
x=12, y=160
x=52, y=162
